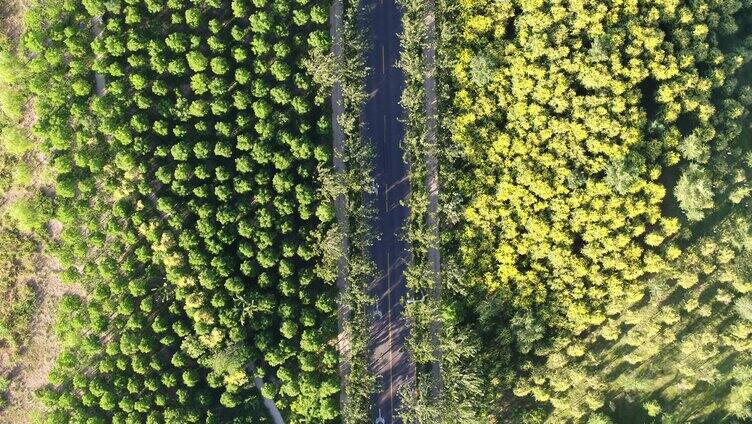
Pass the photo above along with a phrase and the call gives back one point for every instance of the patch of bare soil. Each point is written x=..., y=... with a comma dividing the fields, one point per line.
x=11, y=18
x=55, y=228
x=30, y=369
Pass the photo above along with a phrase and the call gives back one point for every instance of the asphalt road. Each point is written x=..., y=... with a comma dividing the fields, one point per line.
x=382, y=114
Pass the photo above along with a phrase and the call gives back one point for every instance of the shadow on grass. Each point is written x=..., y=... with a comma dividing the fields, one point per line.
x=623, y=410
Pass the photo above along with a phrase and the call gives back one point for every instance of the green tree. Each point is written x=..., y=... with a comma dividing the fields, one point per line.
x=694, y=192
x=197, y=61
x=15, y=141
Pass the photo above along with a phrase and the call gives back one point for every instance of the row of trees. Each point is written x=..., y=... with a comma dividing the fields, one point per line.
x=693, y=330
x=446, y=387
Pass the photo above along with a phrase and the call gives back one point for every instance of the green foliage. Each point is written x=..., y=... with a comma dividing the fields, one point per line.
x=653, y=408
x=20, y=297
x=197, y=61
x=739, y=401
x=23, y=175
x=14, y=141
x=743, y=307
x=599, y=419
x=30, y=214
x=269, y=391
x=481, y=70
x=694, y=192
x=4, y=385
x=11, y=104
x=573, y=154
x=192, y=246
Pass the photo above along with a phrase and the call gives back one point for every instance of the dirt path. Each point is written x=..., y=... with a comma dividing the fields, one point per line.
x=30, y=371
x=30, y=367
x=96, y=29
x=343, y=312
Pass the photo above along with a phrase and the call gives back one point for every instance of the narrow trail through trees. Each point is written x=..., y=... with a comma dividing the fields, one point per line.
x=268, y=403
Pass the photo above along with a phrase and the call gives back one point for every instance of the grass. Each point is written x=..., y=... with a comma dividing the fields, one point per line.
x=18, y=298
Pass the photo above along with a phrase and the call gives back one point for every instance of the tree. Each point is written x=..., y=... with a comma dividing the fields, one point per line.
x=30, y=214
x=481, y=70
x=15, y=141
x=694, y=192
x=108, y=401
x=179, y=281
x=219, y=66
x=197, y=61
x=743, y=307
x=191, y=377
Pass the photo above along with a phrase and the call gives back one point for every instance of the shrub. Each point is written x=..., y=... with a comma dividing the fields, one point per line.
x=15, y=141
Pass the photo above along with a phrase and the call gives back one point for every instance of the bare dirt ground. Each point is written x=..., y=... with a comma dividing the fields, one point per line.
x=11, y=12
x=29, y=370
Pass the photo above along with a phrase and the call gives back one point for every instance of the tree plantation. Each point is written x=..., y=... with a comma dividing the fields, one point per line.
x=187, y=142
x=191, y=192
x=604, y=174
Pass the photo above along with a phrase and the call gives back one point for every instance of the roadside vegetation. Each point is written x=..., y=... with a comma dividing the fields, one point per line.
x=452, y=394
x=357, y=185
x=603, y=173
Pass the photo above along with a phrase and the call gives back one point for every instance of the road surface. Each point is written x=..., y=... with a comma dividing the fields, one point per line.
x=382, y=115
x=271, y=408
